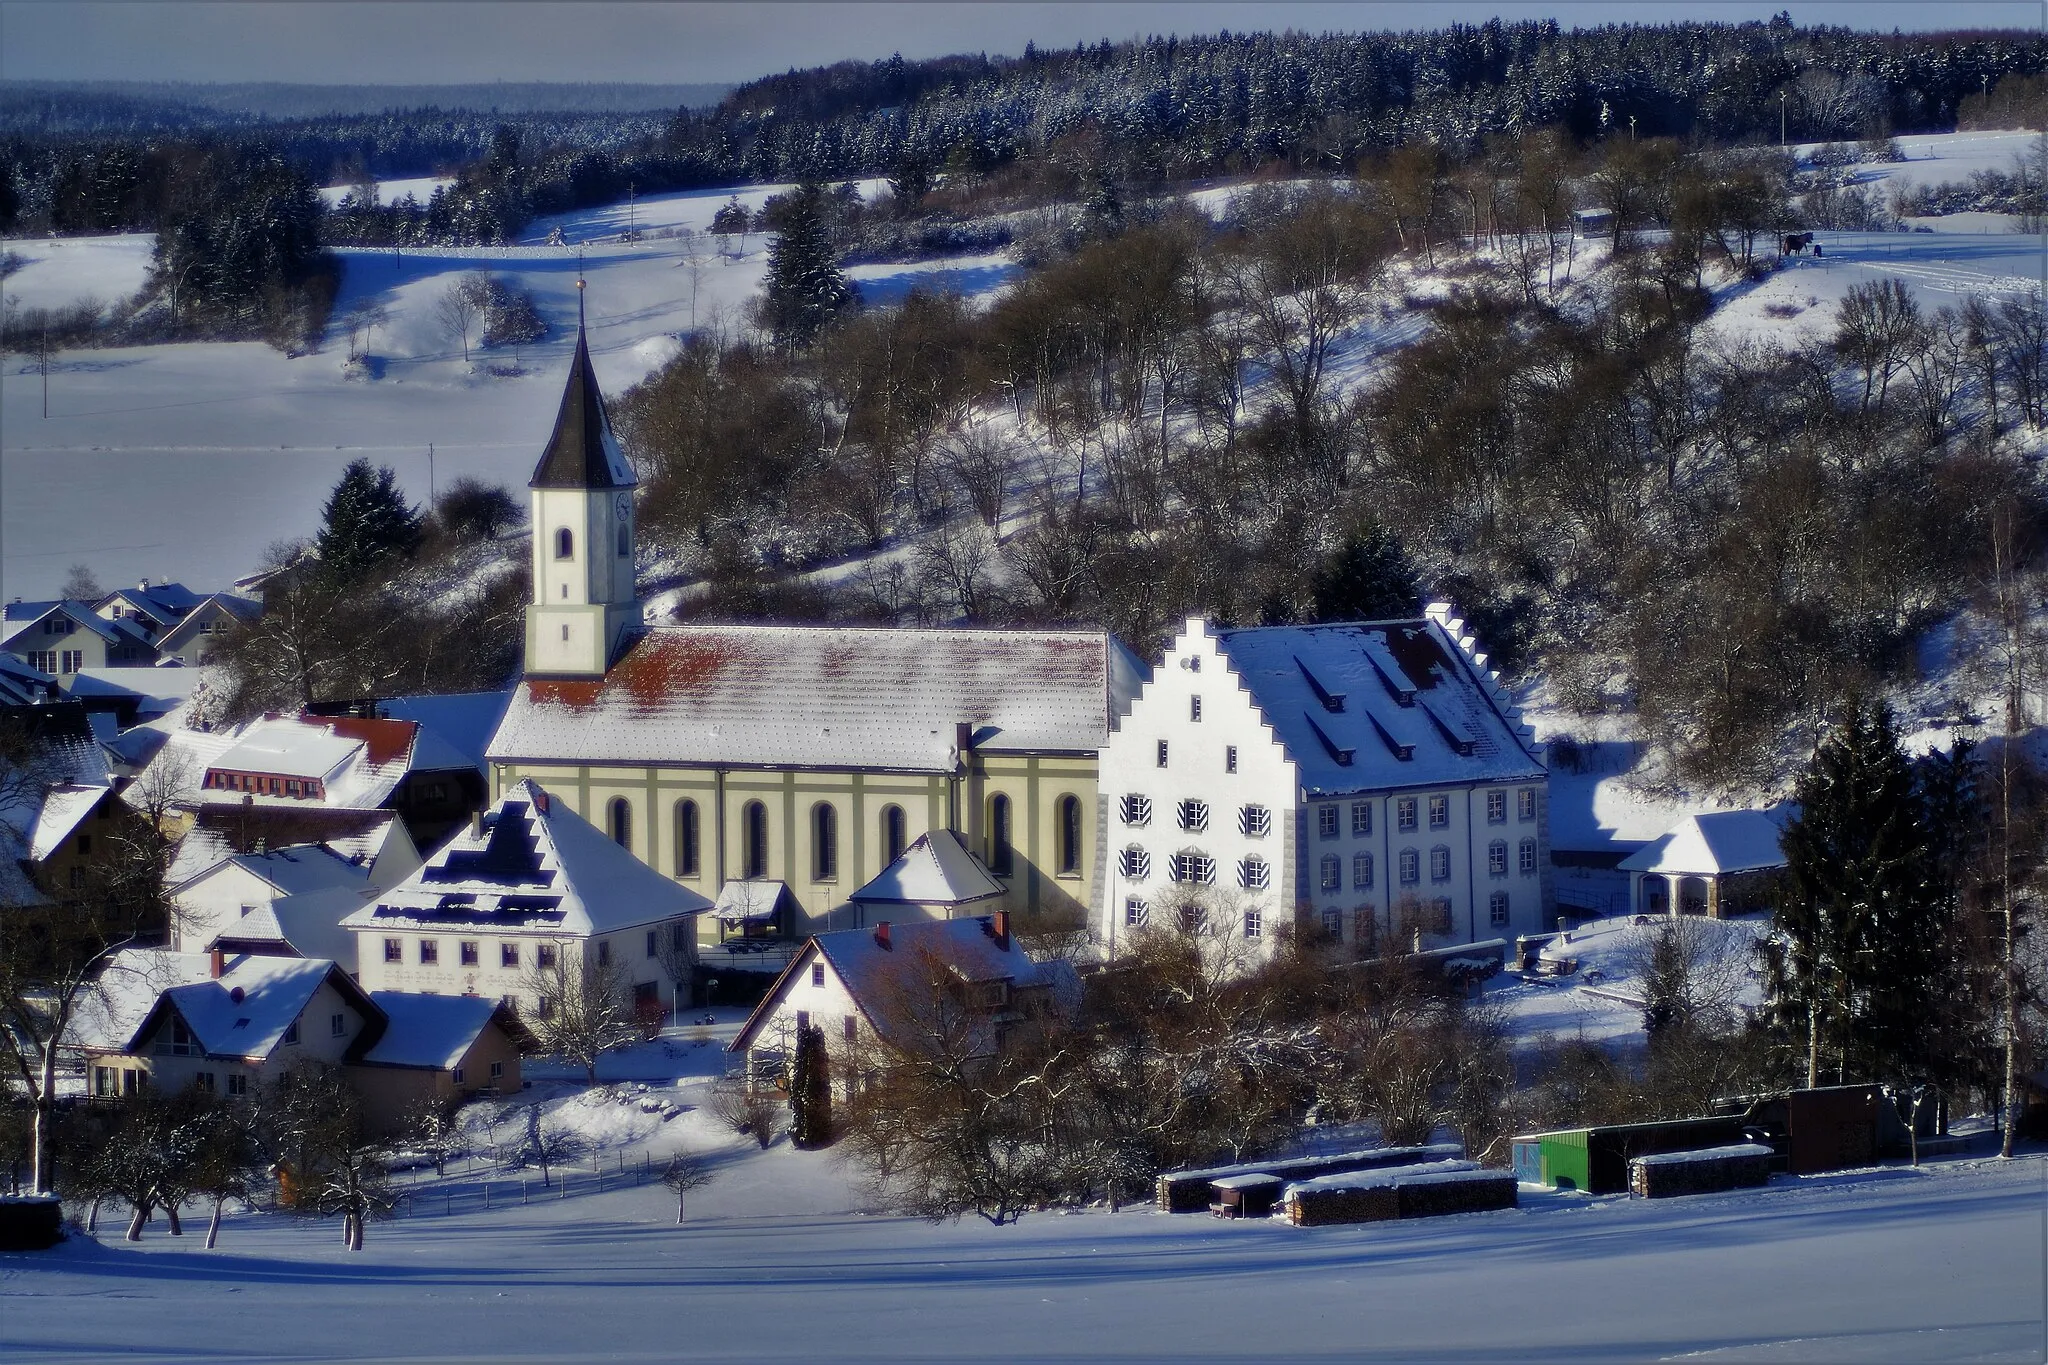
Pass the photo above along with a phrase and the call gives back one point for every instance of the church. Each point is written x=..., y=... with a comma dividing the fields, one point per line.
x=778, y=770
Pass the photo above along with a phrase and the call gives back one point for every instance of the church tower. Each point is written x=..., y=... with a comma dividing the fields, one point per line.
x=582, y=504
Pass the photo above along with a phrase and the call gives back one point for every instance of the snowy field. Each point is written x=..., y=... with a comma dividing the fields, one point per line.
x=420, y=187
x=1891, y=1265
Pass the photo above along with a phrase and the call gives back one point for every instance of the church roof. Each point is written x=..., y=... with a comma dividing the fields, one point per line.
x=582, y=453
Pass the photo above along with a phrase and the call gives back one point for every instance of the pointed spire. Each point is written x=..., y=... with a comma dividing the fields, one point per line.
x=582, y=452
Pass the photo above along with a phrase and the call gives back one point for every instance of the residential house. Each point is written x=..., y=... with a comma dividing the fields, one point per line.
x=22, y=684
x=809, y=756
x=154, y=607
x=861, y=986
x=533, y=889
x=64, y=811
x=1350, y=780
x=61, y=638
x=206, y=626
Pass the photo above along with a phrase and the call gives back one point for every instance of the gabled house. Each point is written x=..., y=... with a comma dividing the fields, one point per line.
x=1353, y=781
x=206, y=625
x=533, y=887
x=283, y=901
x=879, y=984
x=63, y=637
x=63, y=811
x=936, y=878
x=154, y=607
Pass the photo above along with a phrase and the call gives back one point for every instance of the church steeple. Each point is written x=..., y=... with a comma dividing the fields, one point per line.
x=582, y=502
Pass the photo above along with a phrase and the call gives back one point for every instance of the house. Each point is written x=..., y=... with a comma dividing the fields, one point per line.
x=288, y=899
x=936, y=878
x=22, y=684
x=206, y=625
x=154, y=607
x=1718, y=863
x=533, y=889
x=129, y=696
x=809, y=756
x=874, y=984
x=1352, y=780
x=60, y=638
x=62, y=815
x=227, y=1024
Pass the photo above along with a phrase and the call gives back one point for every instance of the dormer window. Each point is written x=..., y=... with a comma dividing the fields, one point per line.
x=565, y=543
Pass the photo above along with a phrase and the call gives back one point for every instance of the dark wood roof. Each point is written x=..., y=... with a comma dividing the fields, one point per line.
x=582, y=452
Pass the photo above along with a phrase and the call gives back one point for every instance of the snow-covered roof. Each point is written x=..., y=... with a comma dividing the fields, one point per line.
x=428, y=1030
x=156, y=690
x=1381, y=704
x=219, y=833
x=29, y=635
x=187, y=627
x=72, y=778
x=165, y=603
x=361, y=761
x=749, y=898
x=536, y=864
x=289, y=748
x=273, y=992
x=1712, y=844
x=109, y=1011
x=295, y=871
x=17, y=889
x=827, y=697
x=1733, y=1149
x=23, y=684
x=1386, y=1177
x=936, y=870
x=462, y=722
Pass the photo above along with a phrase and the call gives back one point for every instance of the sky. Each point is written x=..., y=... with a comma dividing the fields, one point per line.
x=434, y=41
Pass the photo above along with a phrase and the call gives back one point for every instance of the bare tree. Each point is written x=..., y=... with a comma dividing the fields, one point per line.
x=749, y=1110
x=685, y=1172
x=583, y=1011
x=360, y=322
x=550, y=1143
x=1693, y=971
x=461, y=307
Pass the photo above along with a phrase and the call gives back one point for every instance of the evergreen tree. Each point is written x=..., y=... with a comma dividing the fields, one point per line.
x=366, y=520
x=1855, y=968
x=1368, y=579
x=810, y=1091
x=805, y=285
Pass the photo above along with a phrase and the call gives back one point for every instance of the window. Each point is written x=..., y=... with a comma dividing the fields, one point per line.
x=508, y=955
x=1439, y=812
x=824, y=842
x=1526, y=857
x=472, y=953
x=1332, y=872
x=625, y=539
x=1497, y=858
x=1254, y=822
x=1440, y=864
x=134, y=1082
x=497, y=1071
x=1361, y=819
x=1068, y=852
x=291, y=787
x=1525, y=804
x=1411, y=867
x=1361, y=872
x=291, y=1033
x=1136, y=810
x=1000, y=859
x=430, y=952
x=544, y=957
x=337, y=1025
x=620, y=819
x=544, y=1007
x=1254, y=922
x=84, y=844
x=238, y=1084
x=1404, y=814
x=754, y=840
x=653, y=943
x=1497, y=908
x=1326, y=822
x=1496, y=808
x=687, y=864
x=1194, y=708
x=1333, y=923
x=1230, y=758
x=1194, y=815
x=893, y=831
x=1255, y=873
x=1134, y=863
x=1440, y=915
x=74, y=659
x=604, y=952
x=1196, y=868
x=203, y=1081
x=103, y=1080
x=565, y=543
x=394, y=950
x=457, y=1076
x=1136, y=911
x=679, y=937
x=850, y=1029
x=1162, y=753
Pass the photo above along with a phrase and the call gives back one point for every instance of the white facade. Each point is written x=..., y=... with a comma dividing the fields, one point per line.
x=582, y=579
x=1203, y=798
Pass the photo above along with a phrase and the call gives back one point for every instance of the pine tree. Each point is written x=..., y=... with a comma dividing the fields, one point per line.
x=366, y=520
x=1368, y=579
x=1856, y=964
x=810, y=1092
x=805, y=285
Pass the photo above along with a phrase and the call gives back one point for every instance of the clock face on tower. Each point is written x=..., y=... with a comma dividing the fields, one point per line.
x=624, y=504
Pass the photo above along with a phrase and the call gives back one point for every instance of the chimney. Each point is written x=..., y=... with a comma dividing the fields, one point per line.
x=540, y=800
x=882, y=936
x=963, y=740
x=219, y=961
x=1001, y=930
x=143, y=586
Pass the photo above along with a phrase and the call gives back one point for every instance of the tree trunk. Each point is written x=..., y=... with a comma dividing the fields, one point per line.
x=171, y=1214
x=135, y=1222
x=355, y=1238
x=679, y=1206
x=46, y=1108
x=213, y=1224
x=92, y=1216
x=1812, y=1041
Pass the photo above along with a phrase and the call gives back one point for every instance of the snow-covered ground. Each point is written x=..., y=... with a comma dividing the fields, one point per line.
x=56, y=272
x=420, y=187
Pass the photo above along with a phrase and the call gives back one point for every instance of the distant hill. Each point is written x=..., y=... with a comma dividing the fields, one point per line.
x=91, y=106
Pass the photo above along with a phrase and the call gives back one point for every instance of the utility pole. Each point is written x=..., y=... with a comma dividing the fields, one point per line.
x=43, y=364
x=632, y=231
x=1782, y=92
x=430, y=473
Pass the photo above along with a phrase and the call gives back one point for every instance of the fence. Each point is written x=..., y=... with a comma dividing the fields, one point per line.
x=432, y=1196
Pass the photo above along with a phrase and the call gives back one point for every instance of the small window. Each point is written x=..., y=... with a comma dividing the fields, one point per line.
x=291, y=1032
x=1254, y=822
x=1134, y=863
x=497, y=1071
x=1440, y=915
x=471, y=953
x=1439, y=864
x=1496, y=808
x=238, y=1084
x=1198, y=869
x=565, y=543
x=337, y=1025
x=1254, y=874
x=679, y=937
x=394, y=950
x=1411, y=867
x=604, y=952
x=1194, y=708
x=817, y=973
x=457, y=1076
x=1527, y=856
x=1497, y=858
x=544, y=1007
x=1497, y=908
x=1137, y=910
x=1136, y=810
x=824, y=842
x=544, y=957
x=1162, y=753
x=1404, y=814
x=1332, y=872
x=1067, y=853
x=1525, y=804
x=508, y=955
x=1230, y=758
x=620, y=818
x=625, y=539
x=430, y=952
x=686, y=839
x=1361, y=819
x=1254, y=922
x=1361, y=872
x=1194, y=815
x=84, y=844
x=852, y=1029
x=754, y=836
x=204, y=1081
x=1333, y=923
x=1326, y=822
x=653, y=944
x=1439, y=812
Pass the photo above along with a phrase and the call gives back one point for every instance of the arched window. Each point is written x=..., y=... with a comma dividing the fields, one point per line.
x=754, y=833
x=824, y=842
x=1000, y=860
x=620, y=819
x=1069, y=850
x=565, y=543
x=686, y=839
x=892, y=834
x=625, y=539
